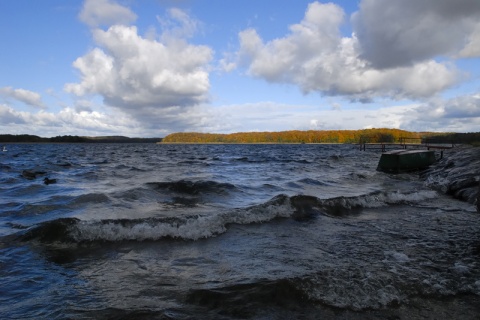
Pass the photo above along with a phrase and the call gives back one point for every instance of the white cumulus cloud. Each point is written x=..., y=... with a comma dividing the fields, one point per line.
x=316, y=58
x=142, y=75
x=97, y=13
x=26, y=96
x=9, y=116
x=68, y=121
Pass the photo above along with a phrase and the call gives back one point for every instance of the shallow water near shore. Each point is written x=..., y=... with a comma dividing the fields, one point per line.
x=229, y=231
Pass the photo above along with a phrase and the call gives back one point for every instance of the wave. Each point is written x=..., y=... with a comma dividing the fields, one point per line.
x=91, y=198
x=308, y=206
x=314, y=182
x=191, y=187
x=350, y=288
x=194, y=227
x=245, y=300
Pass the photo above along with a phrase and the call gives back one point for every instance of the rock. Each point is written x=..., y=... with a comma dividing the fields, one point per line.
x=48, y=181
x=29, y=174
x=463, y=183
x=457, y=174
x=305, y=207
x=468, y=194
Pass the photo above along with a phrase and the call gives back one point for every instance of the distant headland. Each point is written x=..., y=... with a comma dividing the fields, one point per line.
x=27, y=138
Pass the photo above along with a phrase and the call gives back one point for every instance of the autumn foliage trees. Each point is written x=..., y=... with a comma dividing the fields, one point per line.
x=296, y=136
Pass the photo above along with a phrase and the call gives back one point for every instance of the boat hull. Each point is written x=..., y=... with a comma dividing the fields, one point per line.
x=397, y=161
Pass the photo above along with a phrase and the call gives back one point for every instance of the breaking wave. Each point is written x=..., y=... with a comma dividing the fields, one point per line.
x=194, y=227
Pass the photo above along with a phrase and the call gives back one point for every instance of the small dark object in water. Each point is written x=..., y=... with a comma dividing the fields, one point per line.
x=31, y=175
x=306, y=207
x=49, y=181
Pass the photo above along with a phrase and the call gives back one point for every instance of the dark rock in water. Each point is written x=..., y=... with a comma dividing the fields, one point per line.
x=51, y=231
x=467, y=194
x=64, y=164
x=305, y=207
x=48, y=181
x=31, y=175
x=468, y=182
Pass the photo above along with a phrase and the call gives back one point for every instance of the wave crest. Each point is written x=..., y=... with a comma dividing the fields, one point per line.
x=194, y=227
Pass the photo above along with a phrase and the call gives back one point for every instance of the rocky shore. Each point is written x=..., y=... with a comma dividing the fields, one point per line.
x=457, y=174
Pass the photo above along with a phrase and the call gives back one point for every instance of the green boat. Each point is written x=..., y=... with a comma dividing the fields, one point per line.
x=397, y=161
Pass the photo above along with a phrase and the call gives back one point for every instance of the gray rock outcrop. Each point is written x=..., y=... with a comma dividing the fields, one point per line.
x=457, y=174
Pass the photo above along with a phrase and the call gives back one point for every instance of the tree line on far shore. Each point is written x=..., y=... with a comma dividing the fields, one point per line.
x=297, y=136
x=293, y=136
x=458, y=138
x=27, y=138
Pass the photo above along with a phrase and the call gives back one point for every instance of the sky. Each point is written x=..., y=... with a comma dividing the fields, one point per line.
x=148, y=68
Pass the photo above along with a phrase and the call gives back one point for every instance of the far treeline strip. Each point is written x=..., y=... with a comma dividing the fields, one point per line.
x=324, y=136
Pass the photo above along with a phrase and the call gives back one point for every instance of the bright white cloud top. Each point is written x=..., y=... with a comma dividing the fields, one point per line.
x=149, y=68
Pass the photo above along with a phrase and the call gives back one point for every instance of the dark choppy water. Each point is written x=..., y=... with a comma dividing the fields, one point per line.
x=228, y=231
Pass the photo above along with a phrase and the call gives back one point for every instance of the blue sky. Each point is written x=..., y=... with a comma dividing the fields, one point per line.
x=152, y=67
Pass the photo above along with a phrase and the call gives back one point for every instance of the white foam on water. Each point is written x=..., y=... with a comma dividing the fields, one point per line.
x=190, y=228
x=396, y=256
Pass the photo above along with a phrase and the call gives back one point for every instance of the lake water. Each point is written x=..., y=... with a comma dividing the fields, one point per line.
x=150, y=231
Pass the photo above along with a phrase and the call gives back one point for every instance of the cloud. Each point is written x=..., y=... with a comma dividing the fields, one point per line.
x=9, y=116
x=404, y=32
x=316, y=58
x=156, y=83
x=462, y=107
x=178, y=24
x=97, y=13
x=26, y=96
x=143, y=76
x=458, y=114
x=269, y=116
x=72, y=122
x=83, y=105
x=472, y=48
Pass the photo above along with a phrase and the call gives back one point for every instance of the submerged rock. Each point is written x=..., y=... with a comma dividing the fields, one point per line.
x=31, y=174
x=48, y=181
x=457, y=174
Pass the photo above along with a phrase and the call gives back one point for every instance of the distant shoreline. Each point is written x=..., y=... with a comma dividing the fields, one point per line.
x=264, y=138
x=252, y=143
x=380, y=135
x=25, y=138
